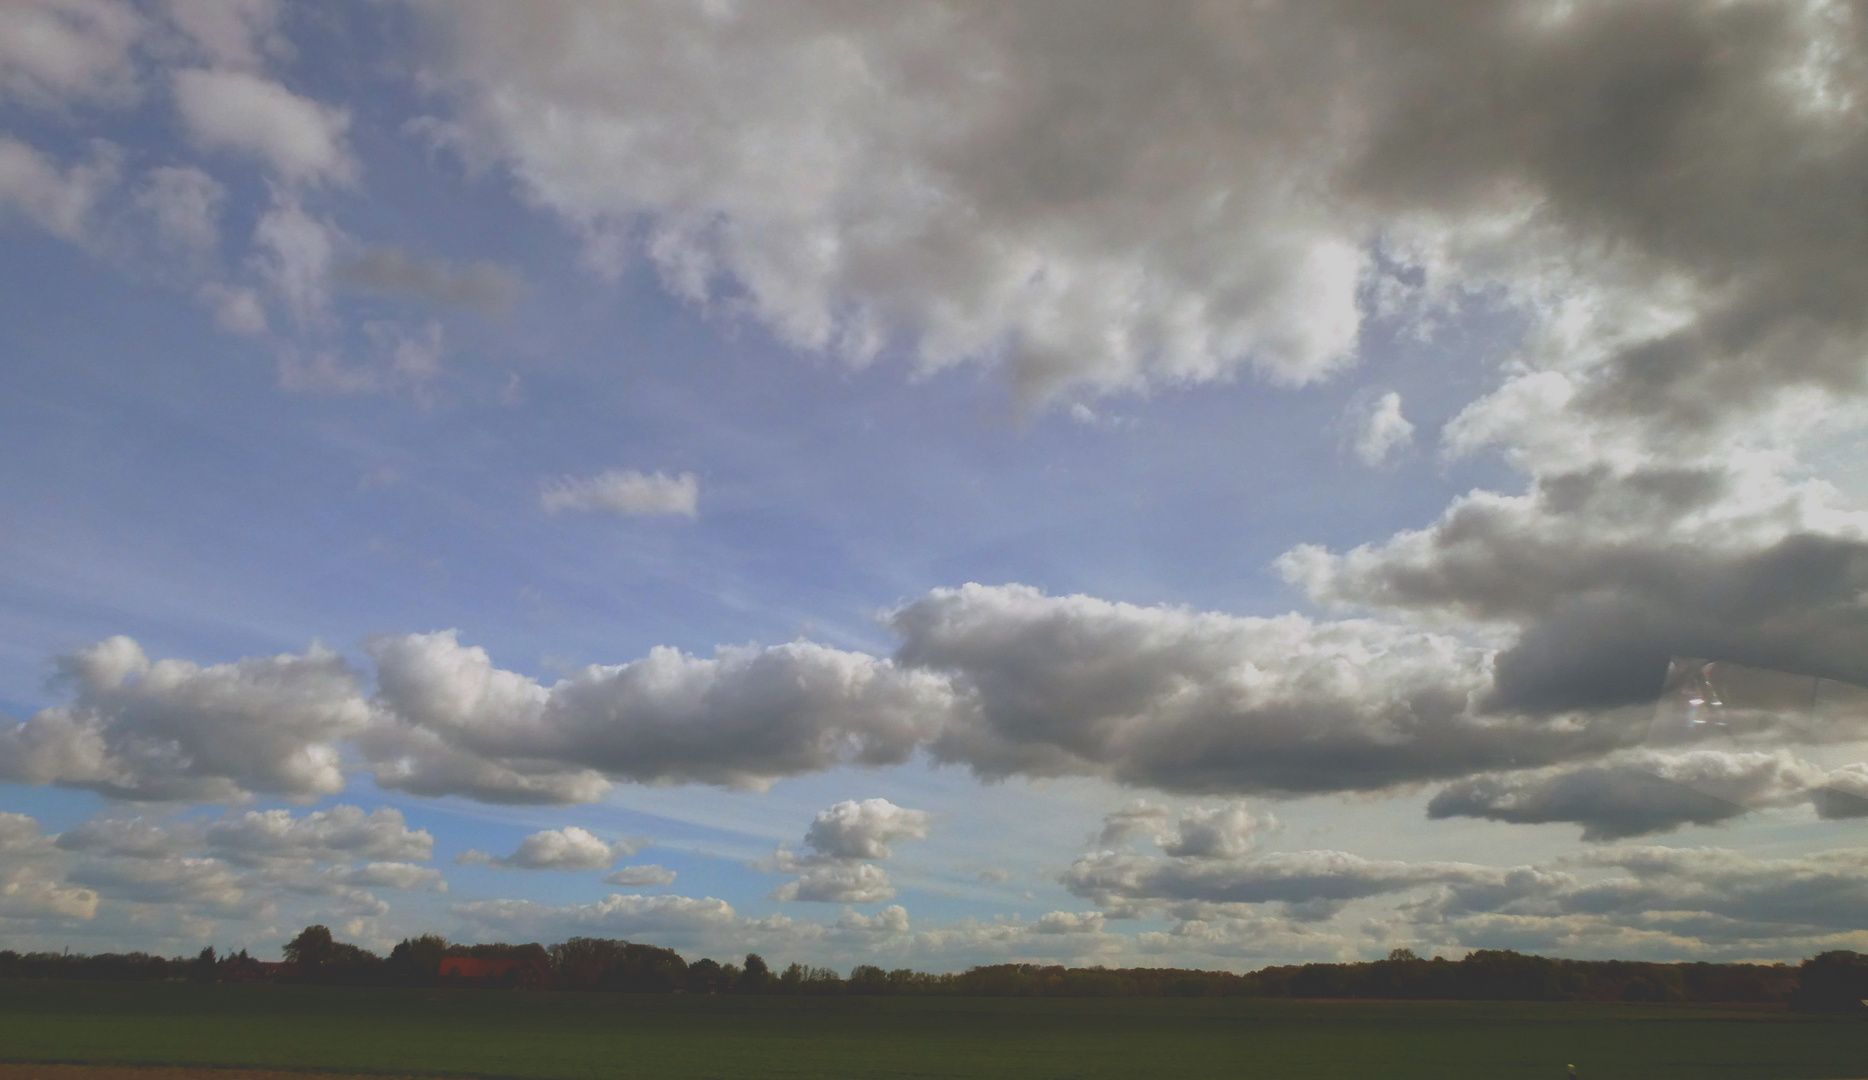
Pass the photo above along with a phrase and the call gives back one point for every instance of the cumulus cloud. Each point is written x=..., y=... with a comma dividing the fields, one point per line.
x=742, y=718
x=298, y=139
x=141, y=871
x=626, y=492
x=1381, y=430
x=340, y=833
x=840, y=839
x=1662, y=194
x=1203, y=702
x=172, y=729
x=862, y=830
x=569, y=848
x=1641, y=792
x=479, y=286
x=60, y=52
x=832, y=881
x=983, y=213
x=1197, y=831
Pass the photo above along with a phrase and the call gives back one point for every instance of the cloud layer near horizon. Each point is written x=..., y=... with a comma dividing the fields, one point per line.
x=1004, y=681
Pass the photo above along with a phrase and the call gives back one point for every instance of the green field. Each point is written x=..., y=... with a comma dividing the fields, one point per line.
x=571, y=1036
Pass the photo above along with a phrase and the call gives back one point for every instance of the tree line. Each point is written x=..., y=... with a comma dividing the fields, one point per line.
x=1830, y=981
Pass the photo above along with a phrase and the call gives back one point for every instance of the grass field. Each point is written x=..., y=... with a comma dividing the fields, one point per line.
x=573, y=1036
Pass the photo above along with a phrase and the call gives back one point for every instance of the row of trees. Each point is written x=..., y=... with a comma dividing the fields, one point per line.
x=1830, y=981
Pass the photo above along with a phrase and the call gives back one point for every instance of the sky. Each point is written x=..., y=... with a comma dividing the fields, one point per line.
x=933, y=484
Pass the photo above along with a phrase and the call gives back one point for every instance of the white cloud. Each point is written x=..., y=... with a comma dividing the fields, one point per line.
x=626, y=492
x=294, y=253
x=58, y=52
x=742, y=718
x=832, y=881
x=644, y=876
x=841, y=838
x=1381, y=431
x=1225, y=831
x=237, y=310
x=569, y=848
x=340, y=833
x=862, y=830
x=184, y=203
x=297, y=138
x=618, y=915
x=890, y=920
x=61, y=202
x=237, y=34
x=1050, y=202
x=171, y=729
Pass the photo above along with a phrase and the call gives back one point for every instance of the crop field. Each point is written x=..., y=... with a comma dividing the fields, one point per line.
x=553, y=1036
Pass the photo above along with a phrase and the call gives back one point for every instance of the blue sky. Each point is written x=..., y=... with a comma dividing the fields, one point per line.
x=949, y=487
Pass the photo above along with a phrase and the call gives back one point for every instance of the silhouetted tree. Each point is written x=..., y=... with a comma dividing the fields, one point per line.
x=1832, y=982
x=756, y=976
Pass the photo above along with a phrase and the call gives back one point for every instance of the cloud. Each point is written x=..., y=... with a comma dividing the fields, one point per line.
x=1663, y=195
x=134, y=879
x=569, y=848
x=171, y=729
x=643, y=876
x=1205, y=869
x=1683, y=900
x=832, y=881
x=61, y=202
x=1198, y=831
x=237, y=34
x=260, y=837
x=617, y=915
x=862, y=830
x=1062, y=205
x=184, y=203
x=1381, y=431
x=479, y=286
x=60, y=52
x=841, y=838
x=626, y=492
x=742, y=718
x=1609, y=574
x=890, y=920
x=294, y=253
x=1639, y=792
x=1202, y=702
x=300, y=140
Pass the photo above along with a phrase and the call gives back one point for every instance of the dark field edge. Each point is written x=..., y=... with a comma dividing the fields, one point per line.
x=240, y=1067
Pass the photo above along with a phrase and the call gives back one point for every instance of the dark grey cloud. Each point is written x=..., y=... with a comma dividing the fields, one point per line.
x=1201, y=702
x=1607, y=576
x=1699, y=896
x=1639, y=793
